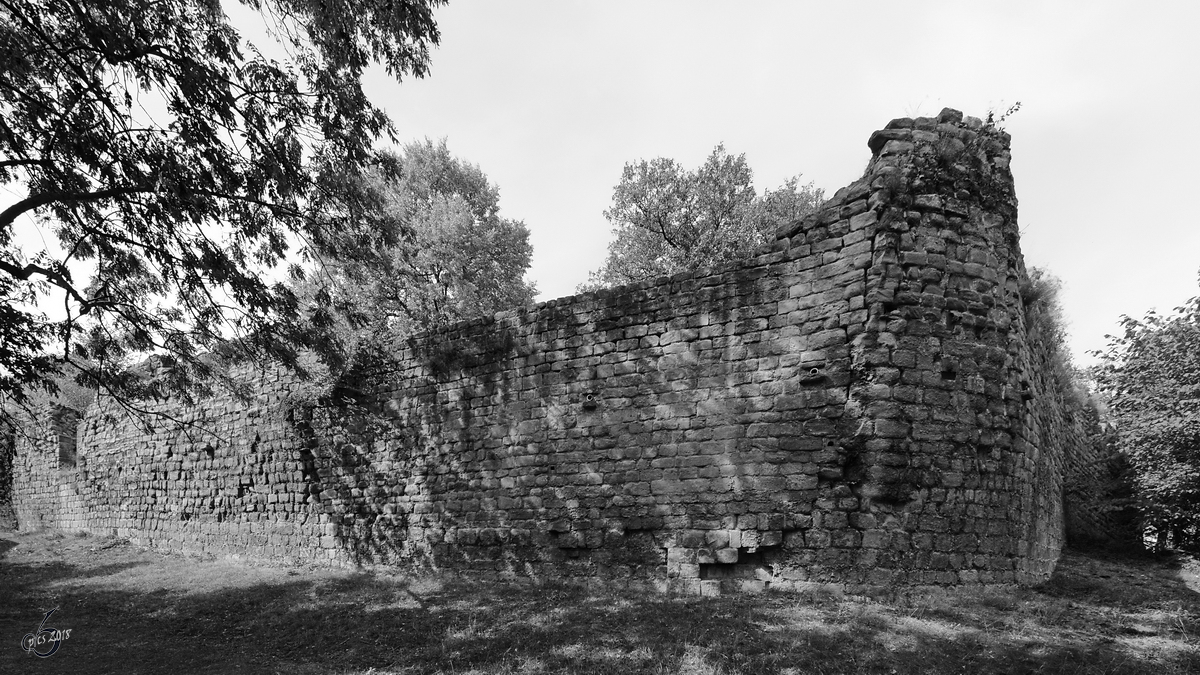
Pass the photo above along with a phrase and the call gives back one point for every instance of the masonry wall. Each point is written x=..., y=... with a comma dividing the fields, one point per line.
x=854, y=405
x=1096, y=491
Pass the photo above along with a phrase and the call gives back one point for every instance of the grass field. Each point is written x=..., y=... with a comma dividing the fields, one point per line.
x=135, y=611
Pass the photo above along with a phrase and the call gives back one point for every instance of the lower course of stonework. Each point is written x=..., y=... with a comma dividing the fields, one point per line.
x=859, y=404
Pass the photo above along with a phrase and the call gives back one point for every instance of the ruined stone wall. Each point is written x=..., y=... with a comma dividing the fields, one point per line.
x=854, y=405
x=43, y=488
x=1093, y=514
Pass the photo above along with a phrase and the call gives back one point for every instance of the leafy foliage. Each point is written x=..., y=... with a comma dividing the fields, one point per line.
x=176, y=166
x=1048, y=322
x=465, y=259
x=455, y=257
x=1151, y=377
x=667, y=219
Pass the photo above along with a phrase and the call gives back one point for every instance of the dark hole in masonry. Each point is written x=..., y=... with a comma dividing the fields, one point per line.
x=813, y=375
x=67, y=422
x=949, y=375
x=748, y=566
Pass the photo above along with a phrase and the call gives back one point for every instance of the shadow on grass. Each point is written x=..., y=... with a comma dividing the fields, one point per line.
x=359, y=622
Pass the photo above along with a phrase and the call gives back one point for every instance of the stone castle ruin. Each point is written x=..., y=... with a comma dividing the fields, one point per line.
x=864, y=403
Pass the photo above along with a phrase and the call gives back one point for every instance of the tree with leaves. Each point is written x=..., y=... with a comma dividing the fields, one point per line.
x=1150, y=376
x=171, y=166
x=667, y=219
x=456, y=259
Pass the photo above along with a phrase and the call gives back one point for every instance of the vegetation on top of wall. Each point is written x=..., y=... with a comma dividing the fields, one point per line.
x=1047, y=320
x=974, y=161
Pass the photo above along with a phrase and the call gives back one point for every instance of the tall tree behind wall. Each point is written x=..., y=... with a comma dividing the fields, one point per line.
x=456, y=258
x=667, y=219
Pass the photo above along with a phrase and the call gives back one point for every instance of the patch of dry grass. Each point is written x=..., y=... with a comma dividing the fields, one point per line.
x=135, y=611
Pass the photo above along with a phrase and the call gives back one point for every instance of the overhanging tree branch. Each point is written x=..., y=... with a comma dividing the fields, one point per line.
x=262, y=152
x=9, y=215
x=4, y=164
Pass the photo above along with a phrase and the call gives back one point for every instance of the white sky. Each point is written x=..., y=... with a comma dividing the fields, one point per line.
x=551, y=99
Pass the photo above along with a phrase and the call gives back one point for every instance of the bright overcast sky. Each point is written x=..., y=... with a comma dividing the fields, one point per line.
x=551, y=99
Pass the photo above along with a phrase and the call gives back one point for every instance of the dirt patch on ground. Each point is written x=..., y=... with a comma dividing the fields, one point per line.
x=131, y=610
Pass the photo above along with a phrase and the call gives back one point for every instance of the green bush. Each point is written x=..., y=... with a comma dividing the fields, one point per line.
x=1150, y=375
